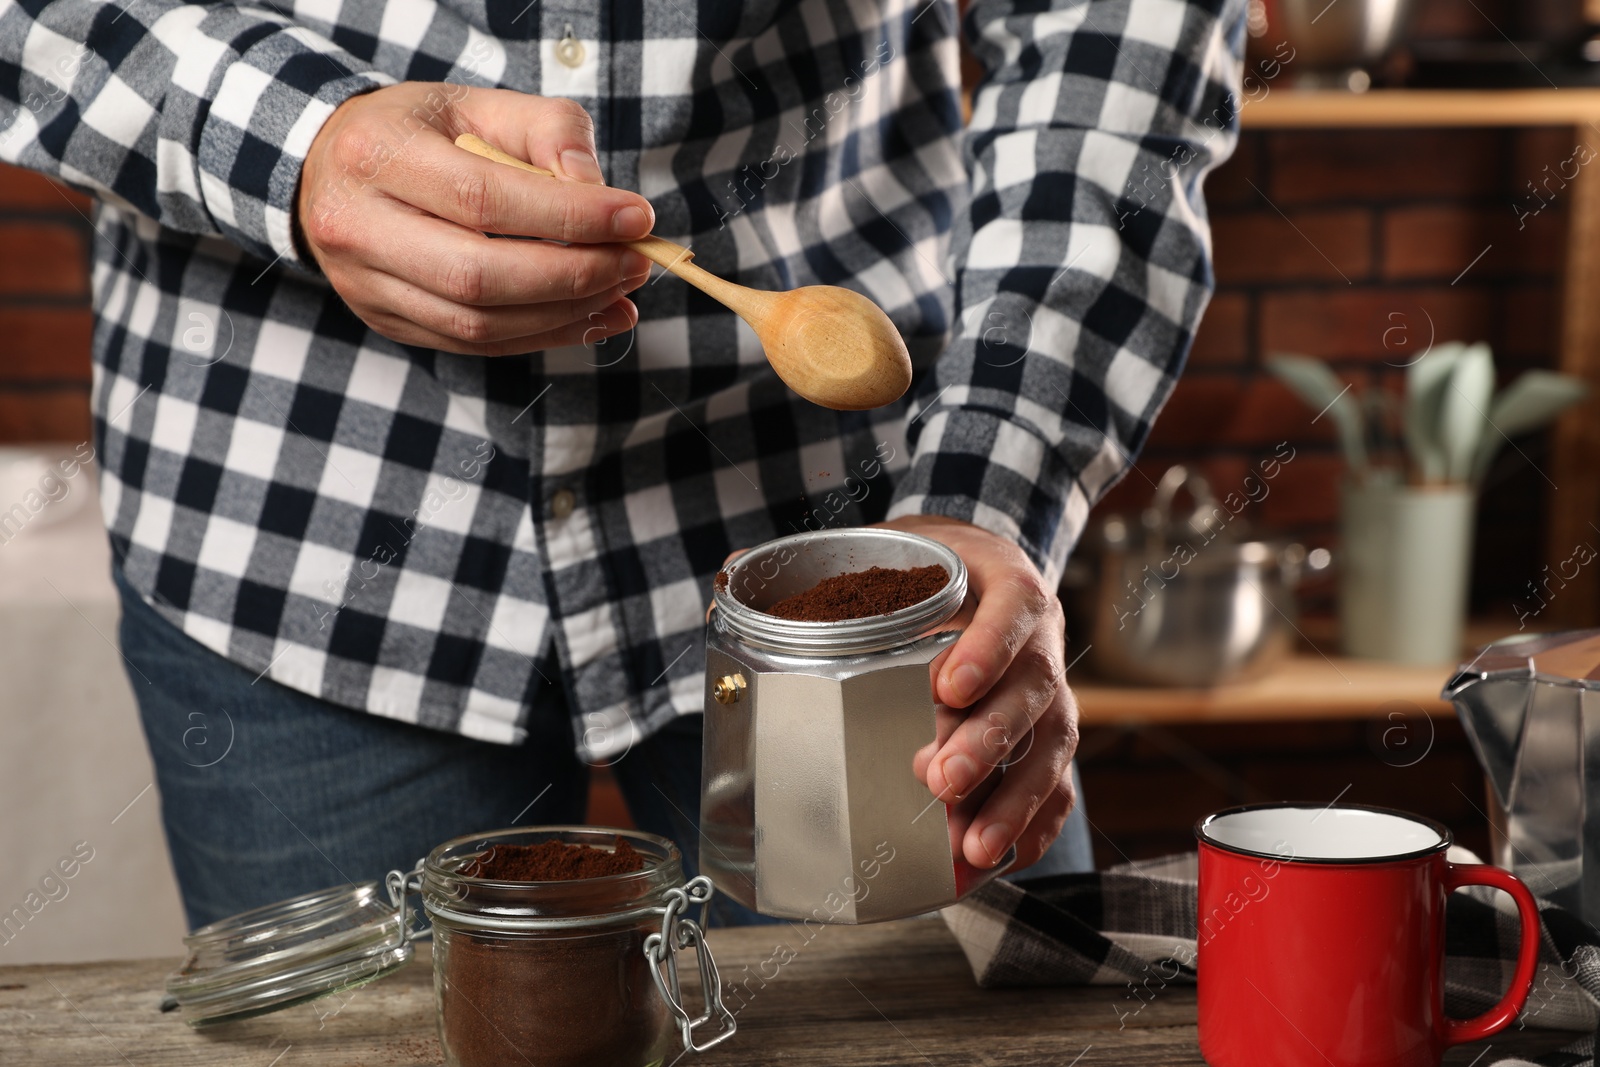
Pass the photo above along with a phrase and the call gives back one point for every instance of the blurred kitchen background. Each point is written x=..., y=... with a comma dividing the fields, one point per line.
x=1353, y=227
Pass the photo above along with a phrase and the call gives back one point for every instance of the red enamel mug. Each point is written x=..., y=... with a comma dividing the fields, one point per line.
x=1321, y=938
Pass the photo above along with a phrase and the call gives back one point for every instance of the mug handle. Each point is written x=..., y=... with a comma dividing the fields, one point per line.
x=1504, y=1013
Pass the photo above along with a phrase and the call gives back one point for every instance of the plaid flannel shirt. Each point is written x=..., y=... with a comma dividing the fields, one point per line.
x=415, y=533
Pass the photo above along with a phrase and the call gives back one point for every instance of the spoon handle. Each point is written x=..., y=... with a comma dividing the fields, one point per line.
x=752, y=305
x=657, y=249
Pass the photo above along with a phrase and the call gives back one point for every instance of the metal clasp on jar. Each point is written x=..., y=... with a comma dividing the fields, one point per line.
x=679, y=931
x=400, y=885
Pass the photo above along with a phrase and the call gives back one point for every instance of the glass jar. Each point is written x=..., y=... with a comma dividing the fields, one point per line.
x=555, y=973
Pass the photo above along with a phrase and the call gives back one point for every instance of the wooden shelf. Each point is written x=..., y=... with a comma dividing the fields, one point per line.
x=1283, y=109
x=1306, y=686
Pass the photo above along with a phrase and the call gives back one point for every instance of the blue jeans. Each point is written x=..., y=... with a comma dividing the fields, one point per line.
x=267, y=792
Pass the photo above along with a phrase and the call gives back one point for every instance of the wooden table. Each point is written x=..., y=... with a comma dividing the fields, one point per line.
x=898, y=993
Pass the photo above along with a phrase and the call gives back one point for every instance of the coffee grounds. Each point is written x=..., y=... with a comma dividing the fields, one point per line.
x=552, y=861
x=859, y=594
x=572, y=999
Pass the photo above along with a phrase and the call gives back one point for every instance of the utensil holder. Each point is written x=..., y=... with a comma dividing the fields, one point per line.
x=1406, y=564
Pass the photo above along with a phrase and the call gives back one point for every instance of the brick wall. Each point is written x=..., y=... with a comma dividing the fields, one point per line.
x=1355, y=246
x=1351, y=246
x=44, y=310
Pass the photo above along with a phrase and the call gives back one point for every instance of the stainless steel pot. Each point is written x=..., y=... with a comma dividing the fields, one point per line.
x=1330, y=37
x=1185, y=601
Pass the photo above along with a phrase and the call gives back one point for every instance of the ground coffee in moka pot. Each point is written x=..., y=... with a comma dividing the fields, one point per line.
x=861, y=594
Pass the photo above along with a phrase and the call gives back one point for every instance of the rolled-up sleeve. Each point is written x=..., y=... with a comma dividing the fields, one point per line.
x=1082, y=264
x=197, y=116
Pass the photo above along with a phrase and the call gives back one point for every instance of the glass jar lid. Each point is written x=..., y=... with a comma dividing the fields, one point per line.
x=290, y=952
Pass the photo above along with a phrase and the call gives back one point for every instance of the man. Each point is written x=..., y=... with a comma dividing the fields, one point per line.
x=411, y=523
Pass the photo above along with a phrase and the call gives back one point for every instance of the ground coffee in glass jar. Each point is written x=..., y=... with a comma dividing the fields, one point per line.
x=553, y=995
x=553, y=861
x=860, y=594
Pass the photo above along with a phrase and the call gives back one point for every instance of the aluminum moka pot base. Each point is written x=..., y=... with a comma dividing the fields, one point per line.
x=810, y=808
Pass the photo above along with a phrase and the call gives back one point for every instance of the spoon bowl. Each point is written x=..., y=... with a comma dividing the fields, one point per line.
x=830, y=344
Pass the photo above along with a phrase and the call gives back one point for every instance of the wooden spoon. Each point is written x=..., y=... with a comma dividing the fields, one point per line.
x=831, y=345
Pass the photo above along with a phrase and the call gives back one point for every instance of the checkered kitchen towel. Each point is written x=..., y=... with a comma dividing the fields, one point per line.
x=1134, y=926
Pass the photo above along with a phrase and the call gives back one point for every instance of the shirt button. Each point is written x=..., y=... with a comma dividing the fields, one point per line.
x=570, y=51
x=562, y=503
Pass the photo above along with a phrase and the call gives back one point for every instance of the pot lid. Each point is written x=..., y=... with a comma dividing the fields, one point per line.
x=290, y=952
x=1159, y=526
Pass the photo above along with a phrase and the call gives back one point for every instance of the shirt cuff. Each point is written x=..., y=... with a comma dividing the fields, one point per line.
x=988, y=470
x=270, y=105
